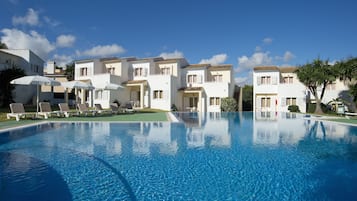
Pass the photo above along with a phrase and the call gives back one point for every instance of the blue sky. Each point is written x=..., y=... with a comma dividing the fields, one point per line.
x=242, y=33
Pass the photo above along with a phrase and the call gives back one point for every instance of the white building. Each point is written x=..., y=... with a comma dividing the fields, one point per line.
x=274, y=89
x=28, y=61
x=156, y=83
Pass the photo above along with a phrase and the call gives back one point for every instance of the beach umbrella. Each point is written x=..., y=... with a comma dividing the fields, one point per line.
x=112, y=86
x=38, y=81
x=75, y=84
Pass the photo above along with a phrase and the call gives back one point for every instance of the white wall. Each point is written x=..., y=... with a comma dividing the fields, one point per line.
x=215, y=89
x=164, y=83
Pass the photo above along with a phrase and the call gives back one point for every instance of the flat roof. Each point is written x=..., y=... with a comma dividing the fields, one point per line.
x=221, y=67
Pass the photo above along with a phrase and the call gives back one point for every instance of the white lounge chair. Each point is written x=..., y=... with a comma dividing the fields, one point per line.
x=100, y=110
x=18, y=111
x=64, y=108
x=83, y=109
x=46, y=111
x=128, y=108
x=348, y=114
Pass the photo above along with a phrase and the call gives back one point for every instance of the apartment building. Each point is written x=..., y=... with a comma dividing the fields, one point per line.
x=156, y=83
x=28, y=61
x=274, y=89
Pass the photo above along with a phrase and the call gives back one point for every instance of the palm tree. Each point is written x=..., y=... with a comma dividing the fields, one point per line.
x=315, y=75
x=347, y=71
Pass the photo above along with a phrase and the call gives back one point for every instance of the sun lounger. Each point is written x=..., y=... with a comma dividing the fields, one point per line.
x=115, y=108
x=46, y=111
x=64, y=108
x=18, y=111
x=100, y=110
x=128, y=108
x=83, y=109
x=348, y=114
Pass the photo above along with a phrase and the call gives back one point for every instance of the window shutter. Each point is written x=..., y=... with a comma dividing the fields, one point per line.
x=259, y=80
x=165, y=94
x=199, y=78
x=258, y=103
x=274, y=80
x=145, y=72
x=283, y=102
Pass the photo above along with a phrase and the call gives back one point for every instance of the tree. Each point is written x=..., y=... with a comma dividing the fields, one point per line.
x=3, y=45
x=6, y=88
x=248, y=98
x=315, y=75
x=347, y=71
x=70, y=71
x=228, y=104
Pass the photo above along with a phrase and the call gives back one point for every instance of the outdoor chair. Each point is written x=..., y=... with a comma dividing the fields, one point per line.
x=46, y=111
x=115, y=108
x=83, y=109
x=18, y=111
x=64, y=109
x=128, y=108
x=100, y=110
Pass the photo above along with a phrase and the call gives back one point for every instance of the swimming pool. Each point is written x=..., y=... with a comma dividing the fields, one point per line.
x=213, y=156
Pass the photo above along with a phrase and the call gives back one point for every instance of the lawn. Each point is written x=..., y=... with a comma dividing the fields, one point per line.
x=140, y=115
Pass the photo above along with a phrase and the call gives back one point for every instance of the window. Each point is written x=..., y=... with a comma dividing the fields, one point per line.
x=265, y=80
x=111, y=70
x=140, y=71
x=83, y=71
x=265, y=102
x=192, y=78
x=290, y=101
x=214, y=101
x=217, y=78
x=165, y=71
x=288, y=79
x=158, y=94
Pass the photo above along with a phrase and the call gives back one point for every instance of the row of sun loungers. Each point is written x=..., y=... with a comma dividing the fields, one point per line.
x=17, y=110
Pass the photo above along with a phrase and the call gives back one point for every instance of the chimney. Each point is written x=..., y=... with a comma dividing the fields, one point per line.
x=51, y=66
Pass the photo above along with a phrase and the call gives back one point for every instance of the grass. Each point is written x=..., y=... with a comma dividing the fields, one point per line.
x=140, y=115
x=345, y=120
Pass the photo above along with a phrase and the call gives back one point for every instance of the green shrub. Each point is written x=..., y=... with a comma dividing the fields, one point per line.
x=173, y=107
x=312, y=106
x=293, y=108
x=228, y=104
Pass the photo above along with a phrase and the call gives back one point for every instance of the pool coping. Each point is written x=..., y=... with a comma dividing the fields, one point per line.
x=170, y=117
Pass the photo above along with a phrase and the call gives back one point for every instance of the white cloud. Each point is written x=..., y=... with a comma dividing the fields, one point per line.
x=14, y=1
x=62, y=60
x=16, y=39
x=216, y=59
x=171, y=55
x=267, y=41
x=258, y=49
x=106, y=50
x=257, y=59
x=51, y=22
x=31, y=18
x=288, y=56
x=65, y=40
x=240, y=80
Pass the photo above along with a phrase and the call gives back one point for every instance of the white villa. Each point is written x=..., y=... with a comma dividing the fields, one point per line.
x=156, y=83
x=274, y=89
x=28, y=61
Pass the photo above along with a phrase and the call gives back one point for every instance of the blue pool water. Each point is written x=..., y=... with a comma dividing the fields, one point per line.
x=228, y=156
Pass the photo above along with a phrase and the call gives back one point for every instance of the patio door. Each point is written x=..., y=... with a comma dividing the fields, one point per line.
x=193, y=101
